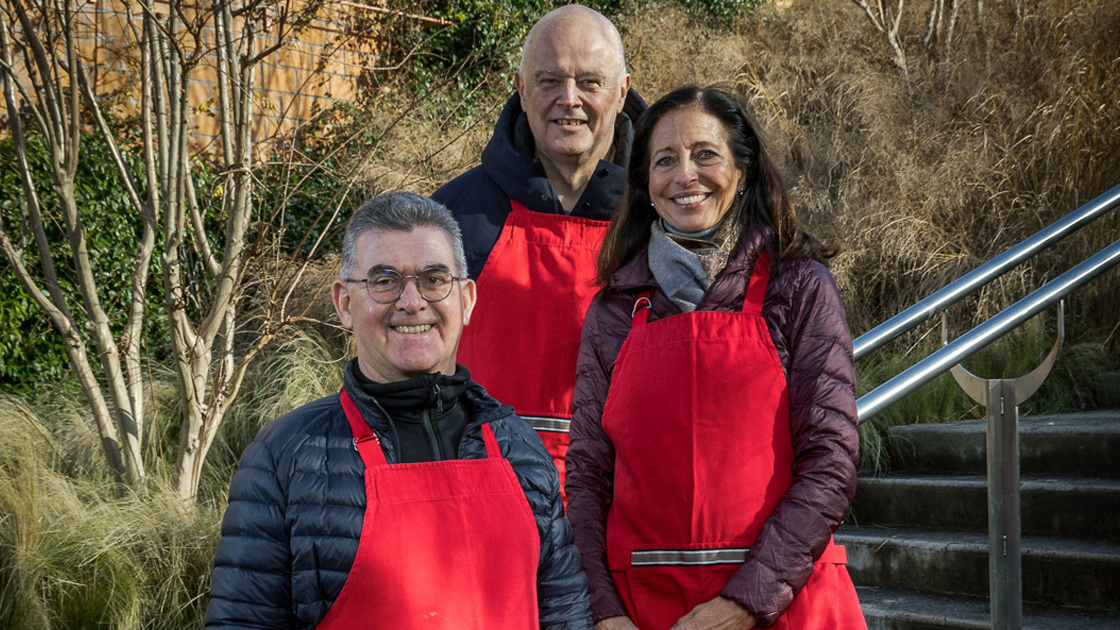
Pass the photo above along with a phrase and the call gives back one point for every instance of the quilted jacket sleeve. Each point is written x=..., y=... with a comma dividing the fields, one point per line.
x=252, y=568
x=809, y=326
x=590, y=462
x=561, y=586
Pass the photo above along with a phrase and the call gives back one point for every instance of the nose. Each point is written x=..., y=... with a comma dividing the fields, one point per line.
x=569, y=95
x=686, y=172
x=410, y=299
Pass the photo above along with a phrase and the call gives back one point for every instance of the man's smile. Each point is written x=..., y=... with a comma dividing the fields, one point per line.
x=412, y=330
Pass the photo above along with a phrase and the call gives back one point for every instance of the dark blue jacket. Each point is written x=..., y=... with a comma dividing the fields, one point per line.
x=296, y=506
x=479, y=198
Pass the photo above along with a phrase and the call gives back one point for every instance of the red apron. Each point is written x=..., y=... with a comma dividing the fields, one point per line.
x=523, y=339
x=698, y=412
x=445, y=545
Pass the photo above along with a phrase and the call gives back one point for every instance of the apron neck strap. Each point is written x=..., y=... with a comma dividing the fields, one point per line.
x=640, y=315
x=368, y=446
x=365, y=442
x=492, y=450
x=756, y=288
x=752, y=301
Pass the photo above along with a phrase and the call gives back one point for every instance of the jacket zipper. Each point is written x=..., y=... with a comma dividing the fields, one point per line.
x=428, y=428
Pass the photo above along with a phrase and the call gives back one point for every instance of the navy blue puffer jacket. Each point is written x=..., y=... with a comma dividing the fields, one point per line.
x=479, y=198
x=296, y=505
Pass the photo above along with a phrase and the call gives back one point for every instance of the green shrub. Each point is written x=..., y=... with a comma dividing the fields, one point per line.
x=482, y=36
x=31, y=350
x=722, y=9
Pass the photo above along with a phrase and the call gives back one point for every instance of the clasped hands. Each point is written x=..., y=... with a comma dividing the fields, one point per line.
x=715, y=614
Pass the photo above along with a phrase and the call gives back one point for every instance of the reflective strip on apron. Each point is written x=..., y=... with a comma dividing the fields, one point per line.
x=698, y=414
x=688, y=557
x=523, y=339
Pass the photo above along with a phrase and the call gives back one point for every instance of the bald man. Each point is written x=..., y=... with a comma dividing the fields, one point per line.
x=534, y=212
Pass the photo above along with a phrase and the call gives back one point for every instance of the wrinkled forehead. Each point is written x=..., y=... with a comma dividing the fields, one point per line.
x=576, y=43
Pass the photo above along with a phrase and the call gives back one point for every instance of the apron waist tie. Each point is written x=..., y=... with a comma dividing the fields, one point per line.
x=834, y=554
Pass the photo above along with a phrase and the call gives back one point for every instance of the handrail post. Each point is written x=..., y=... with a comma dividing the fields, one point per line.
x=1005, y=556
x=1001, y=397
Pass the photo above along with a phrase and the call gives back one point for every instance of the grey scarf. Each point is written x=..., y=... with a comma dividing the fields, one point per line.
x=685, y=265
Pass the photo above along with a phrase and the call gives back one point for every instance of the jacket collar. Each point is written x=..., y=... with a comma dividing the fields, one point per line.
x=509, y=159
x=480, y=406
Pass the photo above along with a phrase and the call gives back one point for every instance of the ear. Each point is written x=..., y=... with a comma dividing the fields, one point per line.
x=340, y=295
x=470, y=296
x=519, y=86
x=625, y=87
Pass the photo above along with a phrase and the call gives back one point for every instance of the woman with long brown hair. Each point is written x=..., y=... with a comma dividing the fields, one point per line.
x=714, y=444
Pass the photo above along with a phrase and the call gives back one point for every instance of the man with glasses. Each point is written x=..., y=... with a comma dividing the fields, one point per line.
x=410, y=499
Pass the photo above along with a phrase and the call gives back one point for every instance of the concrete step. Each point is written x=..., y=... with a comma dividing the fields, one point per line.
x=1056, y=571
x=1071, y=507
x=1085, y=444
x=892, y=609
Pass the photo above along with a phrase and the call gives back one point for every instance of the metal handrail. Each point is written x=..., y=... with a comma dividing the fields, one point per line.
x=973, y=280
x=973, y=341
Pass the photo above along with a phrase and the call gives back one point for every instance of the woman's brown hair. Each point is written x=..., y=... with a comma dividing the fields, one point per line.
x=765, y=197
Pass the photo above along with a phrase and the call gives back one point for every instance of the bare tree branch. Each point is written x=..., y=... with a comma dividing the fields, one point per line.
x=887, y=21
x=876, y=20
x=203, y=270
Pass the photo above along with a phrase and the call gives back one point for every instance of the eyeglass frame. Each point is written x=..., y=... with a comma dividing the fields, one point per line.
x=404, y=281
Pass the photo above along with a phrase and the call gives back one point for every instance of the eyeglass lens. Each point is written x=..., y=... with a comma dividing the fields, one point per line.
x=386, y=285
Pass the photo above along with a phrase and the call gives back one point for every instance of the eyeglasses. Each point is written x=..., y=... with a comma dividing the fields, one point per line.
x=386, y=286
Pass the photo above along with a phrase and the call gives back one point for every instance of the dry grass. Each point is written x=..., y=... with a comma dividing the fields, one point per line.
x=920, y=179
x=923, y=179
x=76, y=551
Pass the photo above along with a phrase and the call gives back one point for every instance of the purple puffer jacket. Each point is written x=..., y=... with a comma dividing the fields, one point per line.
x=805, y=315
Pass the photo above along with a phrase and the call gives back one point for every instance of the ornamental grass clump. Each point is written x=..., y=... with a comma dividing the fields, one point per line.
x=78, y=550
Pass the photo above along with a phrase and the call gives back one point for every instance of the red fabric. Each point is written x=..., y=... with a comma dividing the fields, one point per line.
x=426, y=557
x=719, y=403
x=523, y=339
x=805, y=316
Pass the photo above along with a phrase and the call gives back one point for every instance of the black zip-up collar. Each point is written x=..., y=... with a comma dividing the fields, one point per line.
x=423, y=415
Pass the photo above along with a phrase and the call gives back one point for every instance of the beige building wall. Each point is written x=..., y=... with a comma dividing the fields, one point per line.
x=317, y=65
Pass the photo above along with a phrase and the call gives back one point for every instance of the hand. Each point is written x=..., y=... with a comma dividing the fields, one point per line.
x=716, y=614
x=616, y=623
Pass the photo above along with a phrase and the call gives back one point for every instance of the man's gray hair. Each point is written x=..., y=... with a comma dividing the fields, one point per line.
x=400, y=212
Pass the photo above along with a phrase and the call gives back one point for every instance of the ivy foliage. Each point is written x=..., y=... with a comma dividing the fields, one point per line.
x=722, y=9
x=475, y=37
x=31, y=350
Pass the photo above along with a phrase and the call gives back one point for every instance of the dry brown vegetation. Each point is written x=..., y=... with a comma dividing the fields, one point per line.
x=920, y=179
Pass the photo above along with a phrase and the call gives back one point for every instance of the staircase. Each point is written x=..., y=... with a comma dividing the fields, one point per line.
x=917, y=537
